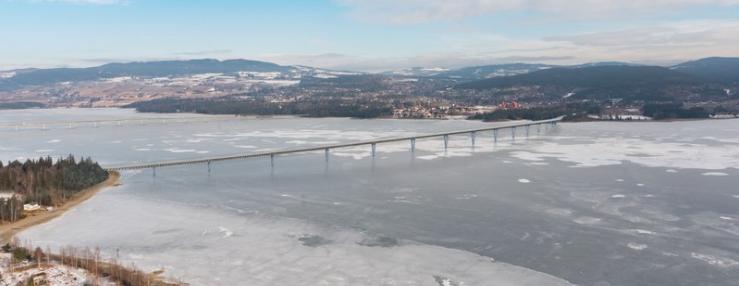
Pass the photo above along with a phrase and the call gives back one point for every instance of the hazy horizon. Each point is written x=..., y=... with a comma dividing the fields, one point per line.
x=362, y=35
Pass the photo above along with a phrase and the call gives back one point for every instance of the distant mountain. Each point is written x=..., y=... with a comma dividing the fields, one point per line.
x=603, y=64
x=137, y=69
x=492, y=71
x=598, y=82
x=469, y=73
x=724, y=70
x=596, y=76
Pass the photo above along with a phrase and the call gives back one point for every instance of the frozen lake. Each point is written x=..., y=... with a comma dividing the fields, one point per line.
x=586, y=203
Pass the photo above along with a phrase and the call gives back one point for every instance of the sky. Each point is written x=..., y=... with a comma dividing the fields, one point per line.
x=366, y=35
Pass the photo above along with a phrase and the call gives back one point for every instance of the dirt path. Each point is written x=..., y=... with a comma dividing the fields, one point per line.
x=7, y=231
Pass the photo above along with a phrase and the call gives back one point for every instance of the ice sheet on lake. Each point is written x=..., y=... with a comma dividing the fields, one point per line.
x=217, y=247
x=653, y=153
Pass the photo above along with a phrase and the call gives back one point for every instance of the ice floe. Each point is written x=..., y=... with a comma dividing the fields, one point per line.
x=587, y=220
x=244, y=146
x=636, y=246
x=714, y=260
x=178, y=150
x=644, y=231
x=715, y=174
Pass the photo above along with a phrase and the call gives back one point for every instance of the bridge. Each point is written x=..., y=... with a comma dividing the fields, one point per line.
x=327, y=148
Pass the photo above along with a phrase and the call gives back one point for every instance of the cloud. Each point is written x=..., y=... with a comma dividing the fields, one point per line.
x=381, y=64
x=667, y=42
x=205, y=53
x=419, y=11
x=662, y=44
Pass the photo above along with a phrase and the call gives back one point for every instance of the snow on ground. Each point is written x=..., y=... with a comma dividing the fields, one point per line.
x=56, y=274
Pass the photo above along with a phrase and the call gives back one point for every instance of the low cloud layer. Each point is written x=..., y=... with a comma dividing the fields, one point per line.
x=661, y=44
x=419, y=11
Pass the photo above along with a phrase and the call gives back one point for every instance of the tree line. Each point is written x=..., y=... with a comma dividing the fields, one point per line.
x=25, y=257
x=355, y=108
x=572, y=112
x=45, y=181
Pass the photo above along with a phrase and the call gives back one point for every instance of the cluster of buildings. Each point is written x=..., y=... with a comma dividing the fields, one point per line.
x=440, y=112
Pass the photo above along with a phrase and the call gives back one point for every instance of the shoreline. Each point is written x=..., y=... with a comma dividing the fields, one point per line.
x=8, y=231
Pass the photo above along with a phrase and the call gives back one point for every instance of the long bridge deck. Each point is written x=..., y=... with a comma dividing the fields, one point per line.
x=326, y=148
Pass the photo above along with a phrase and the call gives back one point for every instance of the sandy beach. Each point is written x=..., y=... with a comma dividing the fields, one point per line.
x=7, y=231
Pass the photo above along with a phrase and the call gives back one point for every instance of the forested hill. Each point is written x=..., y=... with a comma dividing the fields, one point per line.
x=46, y=182
x=725, y=70
x=629, y=83
x=591, y=77
x=137, y=69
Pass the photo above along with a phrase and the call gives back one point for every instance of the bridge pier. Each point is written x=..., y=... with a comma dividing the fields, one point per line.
x=473, y=134
x=413, y=145
x=154, y=171
x=527, y=131
x=208, y=167
x=326, y=154
x=495, y=136
x=374, y=149
x=513, y=133
x=271, y=160
x=446, y=142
